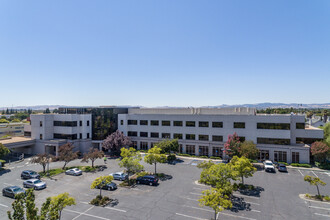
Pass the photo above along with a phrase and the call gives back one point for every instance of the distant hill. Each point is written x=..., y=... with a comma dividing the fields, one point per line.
x=34, y=107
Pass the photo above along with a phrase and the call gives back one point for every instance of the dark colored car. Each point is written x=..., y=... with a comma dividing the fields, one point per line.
x=29, y=174
x=109, y=186
x=282, y=168
x=12, y=191
x=148, y=179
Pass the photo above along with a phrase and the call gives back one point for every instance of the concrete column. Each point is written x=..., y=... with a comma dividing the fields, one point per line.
x=56, y=151
x=210, y=151
x=196, y=150
x=184, y=149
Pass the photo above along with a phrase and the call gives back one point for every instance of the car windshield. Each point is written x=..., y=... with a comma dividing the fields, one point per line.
x=16, y=189
x=270, y=164
x=37, y=181
x=32, y=173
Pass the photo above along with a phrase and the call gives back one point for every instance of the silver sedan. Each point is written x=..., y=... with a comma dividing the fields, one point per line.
x=34, y=183
x=74, y=172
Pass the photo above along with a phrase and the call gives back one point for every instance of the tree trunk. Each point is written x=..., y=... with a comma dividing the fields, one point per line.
x=215, y=215
x=64, y=166
x=93, y=163
x=44, y=167
x=100, y=191
x=59, y=217
x=155, y=168
x=242, y=179
x=318, y=191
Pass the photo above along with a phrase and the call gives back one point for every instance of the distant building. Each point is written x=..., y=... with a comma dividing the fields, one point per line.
x=12, y=129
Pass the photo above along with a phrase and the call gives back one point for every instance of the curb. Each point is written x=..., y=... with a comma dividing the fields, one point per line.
x=302, y=196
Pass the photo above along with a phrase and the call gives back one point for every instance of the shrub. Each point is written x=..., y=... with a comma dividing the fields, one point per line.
x=160, y=175
x=215, y=158
x=251, y=187
x=326, y=198
x=235, y=186
x=325, y=166
x=253, y=161
x=142, y=173
x=95, y=202
x=100, y=201
x=308, y=195
x=286, y=164
x=171, y=157
x=301, y=165
x=203, y=157
x=185, y=155
x=3, y=162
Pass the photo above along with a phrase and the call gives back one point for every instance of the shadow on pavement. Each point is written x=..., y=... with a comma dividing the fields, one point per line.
x=252, y=192
x=3, y=171
x=239, y=204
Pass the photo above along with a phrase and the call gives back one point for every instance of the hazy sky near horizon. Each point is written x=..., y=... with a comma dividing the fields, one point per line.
x=164, y=53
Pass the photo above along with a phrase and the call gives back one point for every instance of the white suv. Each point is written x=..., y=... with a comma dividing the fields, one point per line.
x=269, y=166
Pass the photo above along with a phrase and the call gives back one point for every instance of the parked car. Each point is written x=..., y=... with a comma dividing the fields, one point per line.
x=269, y=166
x=148, y=179
x=119, y=176
x=34, y=183
x=282, y=168
x=29, y=174
x=12, y=191
x=74, y=172
x=109, y=186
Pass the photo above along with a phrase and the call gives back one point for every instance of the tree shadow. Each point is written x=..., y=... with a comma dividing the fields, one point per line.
x=4, y=171
x=239, y=204
x=113, y=202
x=255, y=191
x=164, y=177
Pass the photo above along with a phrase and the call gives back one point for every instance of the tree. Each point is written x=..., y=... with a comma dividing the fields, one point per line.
x=320, y=151
x=130, y=161
x=59, y=202
x=3, y=150
x=93, y=154
x=101, y=181
x=18, y=207
x=116, y=141
x=217, y=199
x=67, y=154
x=47, y=111
x=205, y=164
x=242, y=167
x=249, y=150
x=326, y=137
x=315, y=181
x=24, y=207
x=3, y=121
x=232, y=146
x=43, y=160
x=168, y=146
x=154, y=156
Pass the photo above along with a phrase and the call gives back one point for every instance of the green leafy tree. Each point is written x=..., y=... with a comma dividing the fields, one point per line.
x=18, y=207
x=59, y=202
x=154, y=156
x=169, y=146
x=3, y=121
x=326, y=137
x=67, y=154
x=3, y=150
x=315, y=181
x=249, y=150
x=130, y=161
x=101, y=182
x=24, y=207
x=205, y=164
x=242, y=167
x=15, y=120
x=217, y=199
x=92, y=155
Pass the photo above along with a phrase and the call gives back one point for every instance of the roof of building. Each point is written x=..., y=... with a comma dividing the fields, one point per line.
x=14, y=140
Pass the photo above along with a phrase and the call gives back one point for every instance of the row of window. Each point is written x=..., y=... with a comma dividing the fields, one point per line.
x=205, y=124
x=67, y=123
x=67, y=136
x=279, y=156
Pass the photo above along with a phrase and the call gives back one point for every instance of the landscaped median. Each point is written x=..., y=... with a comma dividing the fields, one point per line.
x=54, y=172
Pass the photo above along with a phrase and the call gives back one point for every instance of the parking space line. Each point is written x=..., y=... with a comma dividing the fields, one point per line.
x=82, y=213
x=86, y=214
x=300, y=172
x=198, y=208
x=189, y=198
x=253, y=210
x=237, y=216
x=4, y=205
x=322, y=215
x=120, y=210
x=315, y=174
x=198, y=194
x=246, y=196
x=188, y=216
x=199, y=188
x=252, y=203
x=7, y=184
x=315, y=207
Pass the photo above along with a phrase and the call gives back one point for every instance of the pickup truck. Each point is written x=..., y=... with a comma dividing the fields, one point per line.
x=269, y=166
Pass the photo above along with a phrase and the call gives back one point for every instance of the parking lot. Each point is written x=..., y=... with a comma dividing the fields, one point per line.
x=176, y=198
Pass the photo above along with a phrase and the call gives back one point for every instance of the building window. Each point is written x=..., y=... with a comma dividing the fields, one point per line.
x=177, y=123
x=87, y=135
x=143, y=145
x=263, y=155
x=280, y=156
x=273, y=141
x=87, y=122
x=154, y=123
x=152, y=144
x=190, y=149
x=295, y=157
x=177, y=136
x=80, y=136
x=166, y=123
x=203, y=151
x=300, y=140
x=239, y=124
x=132, y=134
x=180, y=148
x=121, y=122
x=80, y=123
x=300, y=125
x=143, y=122
x=154, y=135
x=143, y=134
x=241, y=138
x=134, y=144
x=40, y=123
x=166, y=135
x=190, y=124
x=190, y=137
x=203, y=124
x=203, y=137
x=217, y=138
x=65, y=123
x=217, y=124
x=132, y=122
x=66, y=136
x=216, y=152
x=40, y=137
x=274, y=126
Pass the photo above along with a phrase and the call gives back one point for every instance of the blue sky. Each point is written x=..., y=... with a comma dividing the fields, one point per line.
x=164, y=53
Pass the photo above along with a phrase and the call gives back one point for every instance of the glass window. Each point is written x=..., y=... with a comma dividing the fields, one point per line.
x=87, y=123
x=154, y=123
x=241, y=138
x=177, y=136
x=66, y=136
x=80, y=135
x=40, y=137
x=239, y=124
x=295, y=157
x=143, y=122
x=217, y=138
x=121, y=122
x=203, y=137
x=177, y=123
x=152, y=144
x=300, y=125
x=132, y=122
x=166, y=135
x=190, y=137
x=300, y=140
x=134, y=144
x=166, y=123
x=132, y=134
x=274, y=126
x=203, y=124
x=273, y=141
x=217, y=124
x=263, y=155
x=154, y=135
x=203, y=151
x=87, y=135
x=216, y=152
x=143, y=145
x=65, y=123
x=190, y=124
x=80, y=123
x=280, y=156
x=143, y=134
x=190, y=149
x=40, y=123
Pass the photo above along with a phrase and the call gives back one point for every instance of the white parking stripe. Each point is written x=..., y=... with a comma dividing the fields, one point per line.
x=198, y=194
x=251, y=197
x=322, y=215
x=316, y=207
x=300, y=172
x=86, y=214
x=199, y=188
x=82, y=213
x=198, y=208
x=188, y=216
x=189, y=198
x=252, y=203
x=253, y=210
x=120, y=210
x=315, y=174
x=4, y=205
x=237, y=216
x=7, y=184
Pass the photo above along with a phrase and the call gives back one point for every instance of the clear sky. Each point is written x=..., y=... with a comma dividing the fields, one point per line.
x=164, y=53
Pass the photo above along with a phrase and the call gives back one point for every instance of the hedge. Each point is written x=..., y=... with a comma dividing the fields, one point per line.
x=301, y=165
x=2, y=162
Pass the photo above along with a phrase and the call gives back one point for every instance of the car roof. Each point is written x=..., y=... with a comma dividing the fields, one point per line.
x=32, y=180
x=268, y=161
x=11, y=187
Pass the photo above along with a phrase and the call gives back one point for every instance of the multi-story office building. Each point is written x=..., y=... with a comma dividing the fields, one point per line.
x=203, y=131
x=12, y=129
